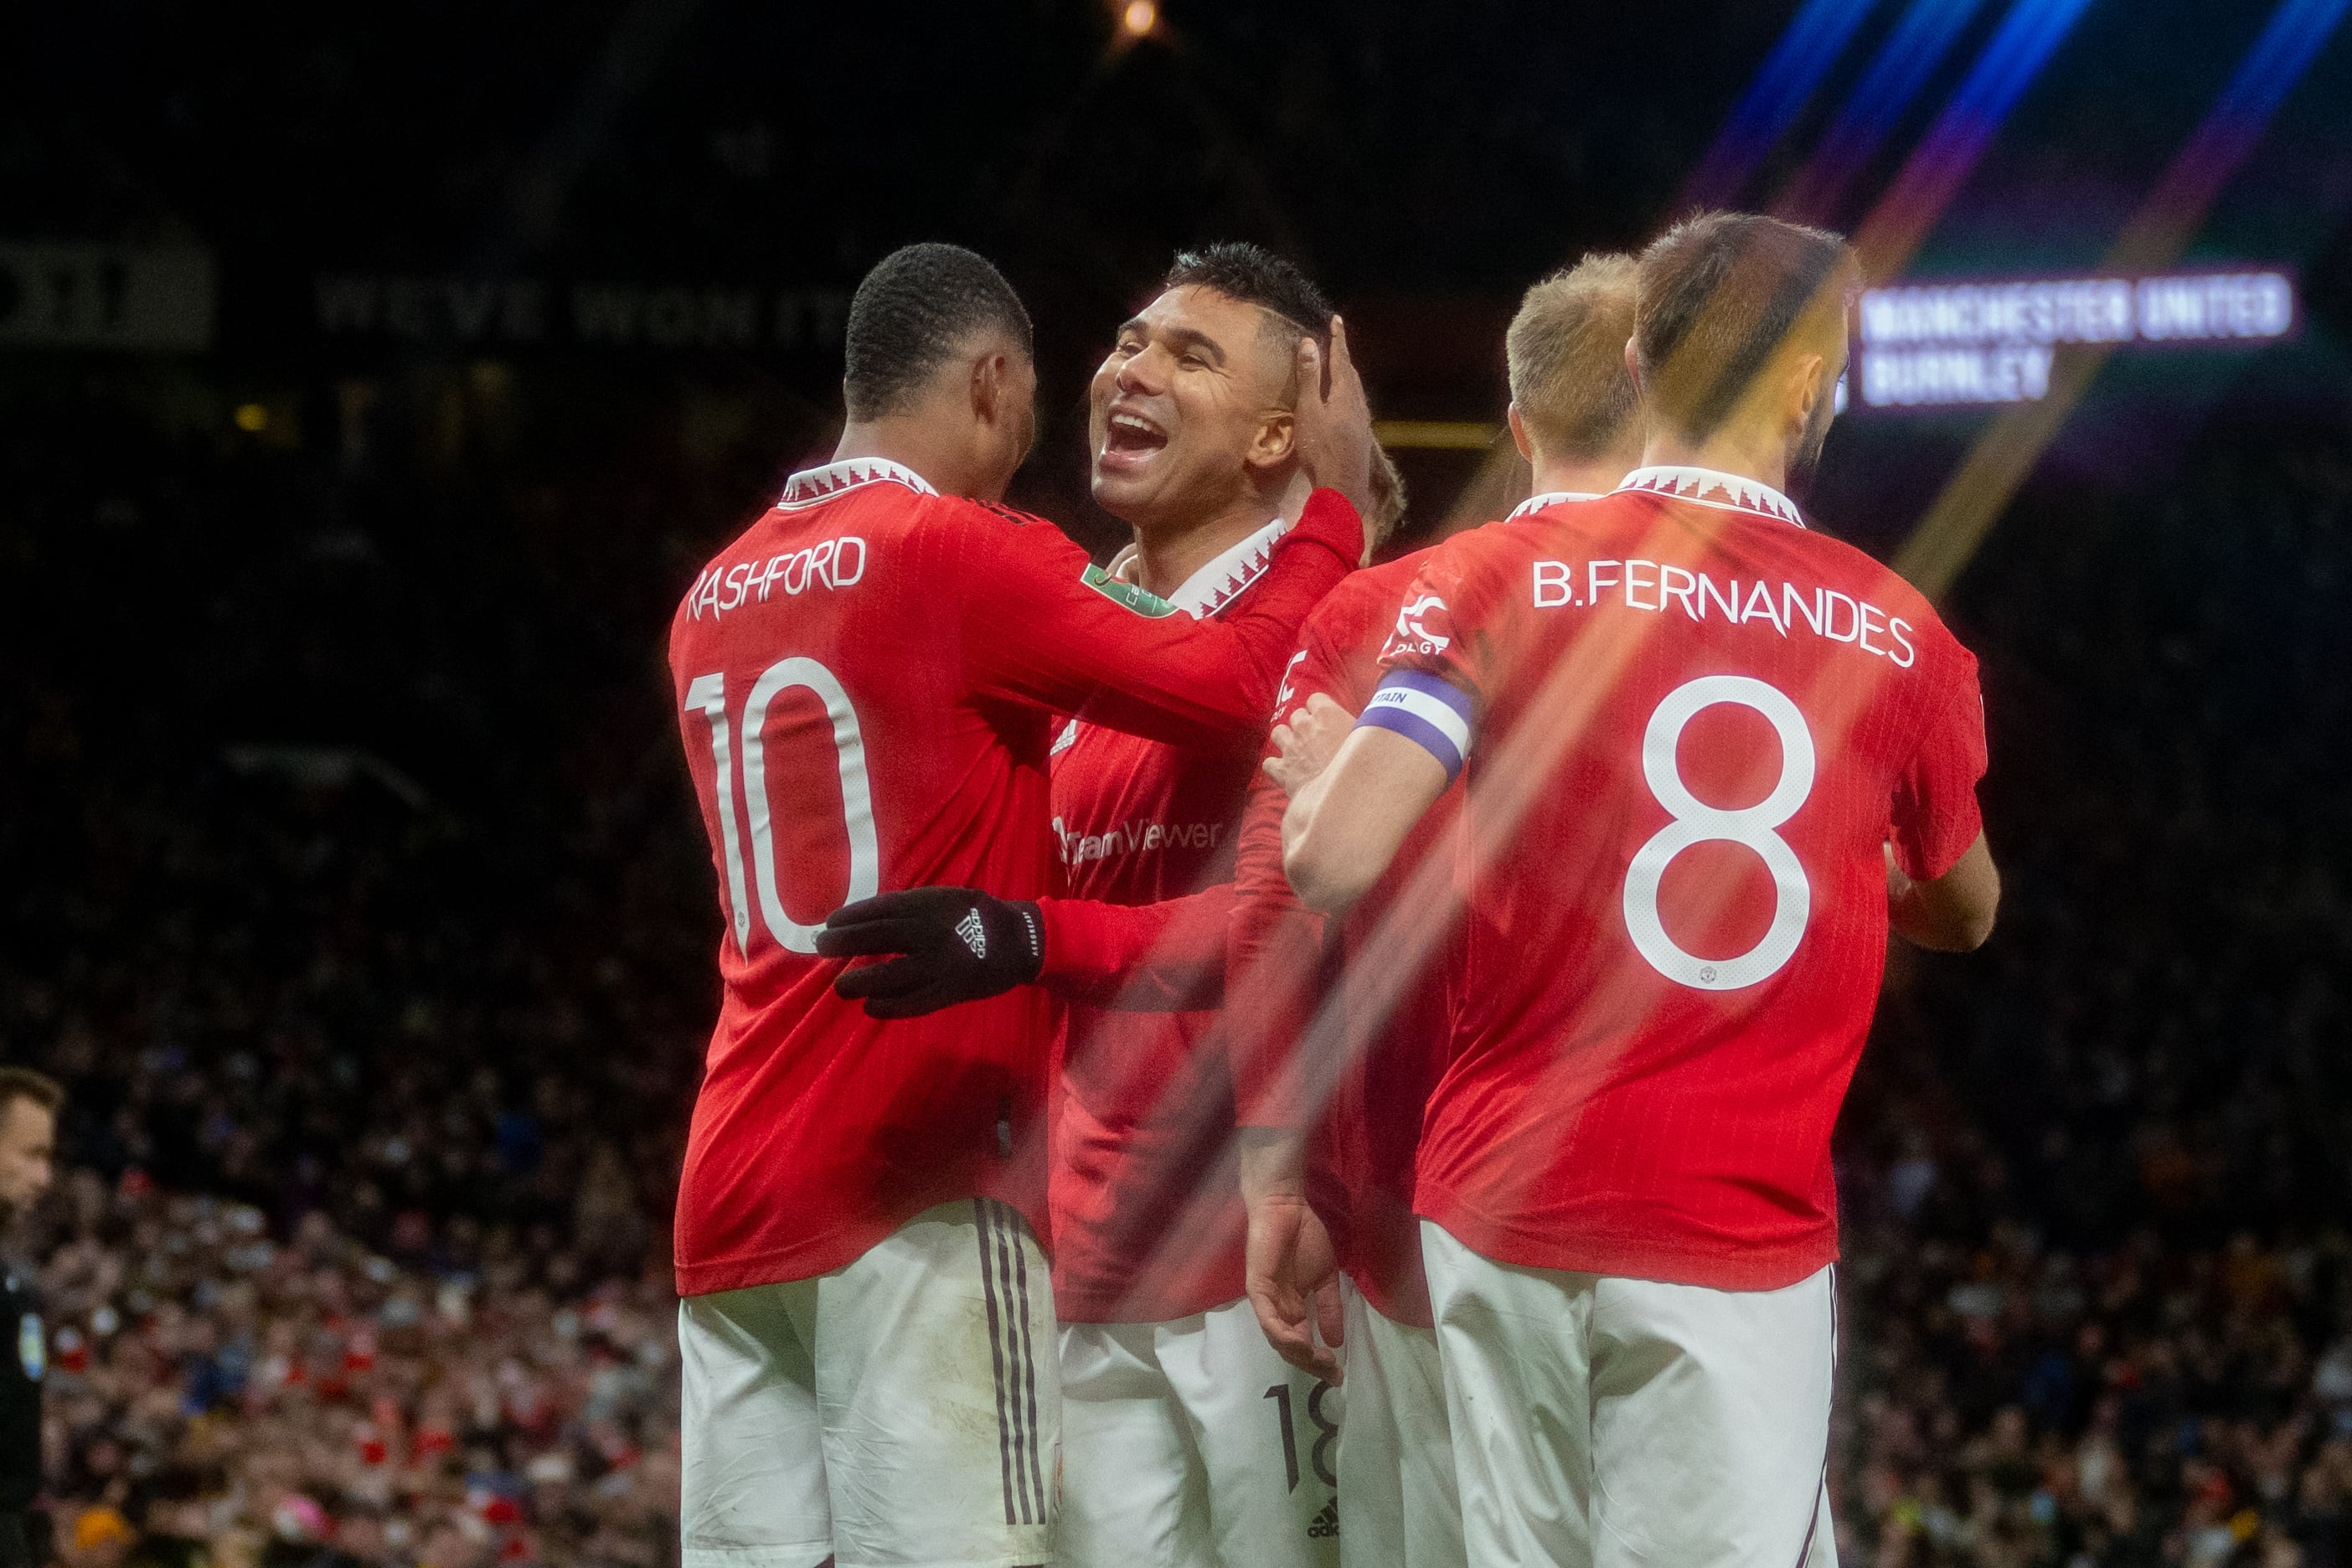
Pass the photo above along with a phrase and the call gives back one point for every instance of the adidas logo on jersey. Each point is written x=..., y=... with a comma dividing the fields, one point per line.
x=974, y=935
x=1326, y=1525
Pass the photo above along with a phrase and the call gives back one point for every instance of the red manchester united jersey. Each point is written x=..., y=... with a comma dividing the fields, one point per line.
x=1147, y=1222
x=865, y=682
x=1691, y=727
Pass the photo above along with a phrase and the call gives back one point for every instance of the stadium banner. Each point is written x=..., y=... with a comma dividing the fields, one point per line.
x=105, y=297
x=517, y=312
x=1951, y=342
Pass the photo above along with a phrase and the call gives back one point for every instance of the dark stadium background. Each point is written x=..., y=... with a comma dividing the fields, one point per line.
x=347, y=871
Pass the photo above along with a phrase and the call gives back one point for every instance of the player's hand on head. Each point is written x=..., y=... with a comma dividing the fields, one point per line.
x=1306, y=742
x=938, y=947
x=1335, y=421
x=1293, y=1279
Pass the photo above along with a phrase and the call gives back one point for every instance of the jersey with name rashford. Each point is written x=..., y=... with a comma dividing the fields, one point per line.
x=1148, y=1223
x=1691, y=727
x=866, y=681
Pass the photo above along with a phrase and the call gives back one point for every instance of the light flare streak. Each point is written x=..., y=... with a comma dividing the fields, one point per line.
x=1957, y=522
x=1777, y=93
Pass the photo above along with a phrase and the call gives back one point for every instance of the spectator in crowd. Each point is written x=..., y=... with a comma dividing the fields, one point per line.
x=28, y=1133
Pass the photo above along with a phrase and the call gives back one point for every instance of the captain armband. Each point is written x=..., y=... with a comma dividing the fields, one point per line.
x=1427, y=711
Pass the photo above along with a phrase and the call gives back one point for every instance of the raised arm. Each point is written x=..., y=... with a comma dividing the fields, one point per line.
x=1037, y=631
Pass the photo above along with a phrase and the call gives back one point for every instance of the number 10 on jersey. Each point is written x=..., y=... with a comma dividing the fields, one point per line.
x=706, y=695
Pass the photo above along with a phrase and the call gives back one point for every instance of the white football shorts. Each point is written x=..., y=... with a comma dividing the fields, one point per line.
x=1611, y=1423
x=1397, y=1490
x=900, y=1411
x=1192, y=1445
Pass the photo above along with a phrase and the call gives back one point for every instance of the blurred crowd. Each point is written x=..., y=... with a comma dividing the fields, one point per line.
x=2098, y=1276
x=218, y=1393
x=370, y=938
x=2011, y=1402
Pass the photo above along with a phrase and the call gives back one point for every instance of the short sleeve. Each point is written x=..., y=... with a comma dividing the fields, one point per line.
x=1432, y=666
x=1935, y=817
x=1428, y=637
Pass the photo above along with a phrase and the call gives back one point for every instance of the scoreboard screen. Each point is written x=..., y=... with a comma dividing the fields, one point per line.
x=1937, y=344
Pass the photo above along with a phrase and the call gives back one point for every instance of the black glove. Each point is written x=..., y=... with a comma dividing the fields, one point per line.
x=958, y=945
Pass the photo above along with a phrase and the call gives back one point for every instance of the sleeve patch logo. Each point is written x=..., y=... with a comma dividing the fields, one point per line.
x=1126, y=595
x=1411, y=635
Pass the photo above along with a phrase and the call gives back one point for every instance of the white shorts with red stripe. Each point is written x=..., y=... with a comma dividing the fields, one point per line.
x=901, y=1412
x=1611, y=1423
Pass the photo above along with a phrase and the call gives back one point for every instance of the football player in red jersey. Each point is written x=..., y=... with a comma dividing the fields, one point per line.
x=1188, y=1442
x=867, y=680
x=1575, y=416
x=1712, y=756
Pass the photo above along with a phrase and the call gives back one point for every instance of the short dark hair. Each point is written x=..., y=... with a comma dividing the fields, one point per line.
x=1717, y=295
x=1255, y=275
x=917, y=306
x=23, y=1083
x=1566, y=354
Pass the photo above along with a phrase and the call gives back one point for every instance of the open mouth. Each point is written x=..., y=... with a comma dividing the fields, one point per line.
x=1129, y=439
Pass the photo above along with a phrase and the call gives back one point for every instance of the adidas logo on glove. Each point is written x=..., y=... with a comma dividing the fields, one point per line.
x=974, y=935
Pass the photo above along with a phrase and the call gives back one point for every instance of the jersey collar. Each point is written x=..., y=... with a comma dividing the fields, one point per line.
x=1711, y=486
x=811, y=486
x=1534, y=504
x=1219, y=583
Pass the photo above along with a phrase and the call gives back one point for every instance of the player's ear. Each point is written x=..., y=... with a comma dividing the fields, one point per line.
x=1805, y=389
x=1633, y=364
x=1518, y=425
x=987, y=387
x=1276, y=440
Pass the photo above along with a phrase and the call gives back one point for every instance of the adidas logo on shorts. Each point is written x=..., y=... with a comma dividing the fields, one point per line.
x=1326, y=1524
x=974, y=935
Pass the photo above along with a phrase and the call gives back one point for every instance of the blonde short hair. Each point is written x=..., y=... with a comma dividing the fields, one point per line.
x=1565, y=348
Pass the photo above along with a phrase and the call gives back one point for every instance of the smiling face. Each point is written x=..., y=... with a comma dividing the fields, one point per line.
x=1190, y=412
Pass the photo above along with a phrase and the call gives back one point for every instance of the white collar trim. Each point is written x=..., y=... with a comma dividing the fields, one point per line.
x=1219, y=583
x=1550, y=497
x=1731, y=492
x=811, y=486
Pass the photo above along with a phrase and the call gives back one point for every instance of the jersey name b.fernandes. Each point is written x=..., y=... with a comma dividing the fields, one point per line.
x=865, y=681
x=1691, y=727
